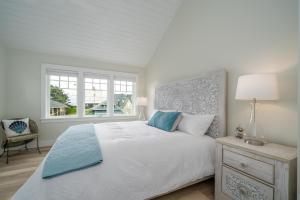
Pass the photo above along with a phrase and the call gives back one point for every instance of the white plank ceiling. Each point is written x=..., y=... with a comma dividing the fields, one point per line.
x=116, y=31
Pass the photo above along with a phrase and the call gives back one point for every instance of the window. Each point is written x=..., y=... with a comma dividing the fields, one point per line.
x=71, y=92
x=96, y=93
x=62, y=99
x=124, y=97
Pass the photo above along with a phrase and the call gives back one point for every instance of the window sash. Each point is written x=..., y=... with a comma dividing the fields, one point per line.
x=101, y=78
x=48, y=90
x=81, y=74
x=133, y=93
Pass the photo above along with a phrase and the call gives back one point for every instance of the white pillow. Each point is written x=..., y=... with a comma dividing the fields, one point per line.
x=16, y=127
x=195, y=124
x=176, y=123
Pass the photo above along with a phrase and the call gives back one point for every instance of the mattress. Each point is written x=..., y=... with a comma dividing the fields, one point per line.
x=139, y=162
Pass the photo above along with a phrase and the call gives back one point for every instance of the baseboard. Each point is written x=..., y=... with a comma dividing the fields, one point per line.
x=42, y=143
x=47, y=143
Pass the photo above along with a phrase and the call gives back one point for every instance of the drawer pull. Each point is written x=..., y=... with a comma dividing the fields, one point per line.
x=243, y=165
x=240, y=187
x=243, y=191
x=249, y=165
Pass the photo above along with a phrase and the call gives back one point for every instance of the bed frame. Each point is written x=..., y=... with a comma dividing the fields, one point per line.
x=184, y=186
x=205, y=94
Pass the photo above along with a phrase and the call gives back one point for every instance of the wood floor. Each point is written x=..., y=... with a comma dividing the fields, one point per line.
x=22, y=165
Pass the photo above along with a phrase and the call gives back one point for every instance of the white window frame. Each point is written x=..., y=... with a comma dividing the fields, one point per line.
x=80, y=93
x=133, y=90
x=108, y=77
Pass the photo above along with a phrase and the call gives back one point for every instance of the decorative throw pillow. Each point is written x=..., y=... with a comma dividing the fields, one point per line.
x=167, y=121
x=155, y=111
x=195, y=124
x=16, y=127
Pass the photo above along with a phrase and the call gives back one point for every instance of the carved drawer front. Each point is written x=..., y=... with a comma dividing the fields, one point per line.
x=240, y=187
x=259, y=169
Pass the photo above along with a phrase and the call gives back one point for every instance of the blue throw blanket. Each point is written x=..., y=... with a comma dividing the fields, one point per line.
x=76, y=148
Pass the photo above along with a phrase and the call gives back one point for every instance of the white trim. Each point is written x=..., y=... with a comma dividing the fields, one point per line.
x=42, y=143
x=80, y=95
x=32, y=145
x=82, y=119
x=47, y=101
x=45, y=143
x=45, y=68
x=43, y=92
x=110, y=97
x=87, y=70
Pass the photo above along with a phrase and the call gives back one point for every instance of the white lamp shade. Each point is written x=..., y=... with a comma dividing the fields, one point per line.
x=257, y=86
x=142, y=101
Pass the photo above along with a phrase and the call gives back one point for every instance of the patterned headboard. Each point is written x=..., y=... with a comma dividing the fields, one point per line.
x=205, y=94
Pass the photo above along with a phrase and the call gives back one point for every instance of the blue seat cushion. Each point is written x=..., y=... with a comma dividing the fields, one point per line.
x=166, y=121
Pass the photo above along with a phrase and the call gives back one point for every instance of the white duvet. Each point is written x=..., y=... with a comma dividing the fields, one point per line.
x=139, y=162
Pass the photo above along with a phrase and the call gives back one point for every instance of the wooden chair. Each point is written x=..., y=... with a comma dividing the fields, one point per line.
x=14, y=141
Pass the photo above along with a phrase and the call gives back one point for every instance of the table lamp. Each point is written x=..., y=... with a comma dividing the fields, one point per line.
x=256, y=87
x=142, y=103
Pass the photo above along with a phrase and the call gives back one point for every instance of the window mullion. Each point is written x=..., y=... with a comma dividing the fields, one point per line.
x=110, y=99
x=47, y=113
x=80, y=95
x=134, y=93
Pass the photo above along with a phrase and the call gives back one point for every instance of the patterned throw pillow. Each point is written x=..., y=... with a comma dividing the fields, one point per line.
x=16, y=127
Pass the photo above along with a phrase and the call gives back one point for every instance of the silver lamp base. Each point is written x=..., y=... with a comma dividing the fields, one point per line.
x=254, y=141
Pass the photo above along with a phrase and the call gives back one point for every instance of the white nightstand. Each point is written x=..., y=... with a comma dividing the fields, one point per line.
x=247, y=172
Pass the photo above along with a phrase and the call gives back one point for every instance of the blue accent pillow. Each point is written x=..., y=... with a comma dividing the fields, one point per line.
x=165, y=120
x=16, y=127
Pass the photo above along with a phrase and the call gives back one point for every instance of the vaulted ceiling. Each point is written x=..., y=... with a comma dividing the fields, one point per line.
x=117, y=31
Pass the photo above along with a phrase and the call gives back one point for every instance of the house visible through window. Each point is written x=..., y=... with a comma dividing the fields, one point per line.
x=80, y=92
x=96, y=96
x=124, y=97
x=63, y=95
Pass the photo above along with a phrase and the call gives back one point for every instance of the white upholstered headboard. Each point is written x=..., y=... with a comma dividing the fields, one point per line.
x=205, y=94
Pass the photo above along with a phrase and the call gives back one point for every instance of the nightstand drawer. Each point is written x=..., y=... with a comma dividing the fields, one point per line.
x=238, y=186
x=259, y=169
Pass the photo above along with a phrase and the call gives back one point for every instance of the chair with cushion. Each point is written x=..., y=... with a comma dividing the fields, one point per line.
x=18, y=139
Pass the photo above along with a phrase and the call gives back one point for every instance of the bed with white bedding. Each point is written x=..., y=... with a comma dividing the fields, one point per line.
x=140, y=161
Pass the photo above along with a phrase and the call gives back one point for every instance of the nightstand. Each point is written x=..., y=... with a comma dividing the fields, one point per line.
x=247, y=172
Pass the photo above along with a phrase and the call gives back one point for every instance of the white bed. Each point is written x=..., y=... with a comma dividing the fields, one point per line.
x=142, y=162
x=139, y=162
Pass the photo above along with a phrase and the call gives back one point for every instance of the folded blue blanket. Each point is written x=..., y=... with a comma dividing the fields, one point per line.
x=75, y=149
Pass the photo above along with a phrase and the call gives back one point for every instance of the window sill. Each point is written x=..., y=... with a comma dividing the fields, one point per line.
x=87, y=119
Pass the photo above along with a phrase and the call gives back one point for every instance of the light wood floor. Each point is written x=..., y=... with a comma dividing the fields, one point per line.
x=22, y=165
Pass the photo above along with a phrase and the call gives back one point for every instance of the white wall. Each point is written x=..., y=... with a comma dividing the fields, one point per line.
x=2, y=86
x=2, y=79
x=298, y=149
x=244, y=37
x=23, y=86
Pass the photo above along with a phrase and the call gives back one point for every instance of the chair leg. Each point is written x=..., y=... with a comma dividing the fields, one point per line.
x=3, y=152
x=7, y=155
x=37, y=144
